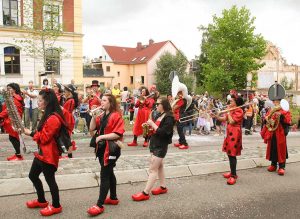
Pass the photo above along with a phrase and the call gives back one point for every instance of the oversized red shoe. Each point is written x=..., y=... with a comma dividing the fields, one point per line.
x=74, y=146
x=35, y=203
x=281, y=171
x=228, y=175
x=183, y=147
x=108, y=200
x=177, y=144
x=134, y=143
x=159, y=190
x=145, y=144
x=16, y=158
x=231, y=181
x=95, y=210
x=11, y=157
x=50, y=210
x=272, y=169
x=140, y=196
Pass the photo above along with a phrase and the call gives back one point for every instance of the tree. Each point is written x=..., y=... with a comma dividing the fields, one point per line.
x=167, y=63
x=285, y=83
x=232, y=50
x=42, y=22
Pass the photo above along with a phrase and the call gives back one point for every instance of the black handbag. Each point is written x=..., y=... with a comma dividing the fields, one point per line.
x=114, y=152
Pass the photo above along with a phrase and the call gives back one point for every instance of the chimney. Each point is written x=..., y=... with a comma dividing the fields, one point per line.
x=139, y=47
x=151, y=41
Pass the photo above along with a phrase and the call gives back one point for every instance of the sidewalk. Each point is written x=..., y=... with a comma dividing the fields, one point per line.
x=84, y=172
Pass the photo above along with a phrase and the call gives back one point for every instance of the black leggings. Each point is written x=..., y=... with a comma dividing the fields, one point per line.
x=108, y=182
x=135, y=138
x=233, y=163
x=131, y=115
x=48, y=170
x=16, y=143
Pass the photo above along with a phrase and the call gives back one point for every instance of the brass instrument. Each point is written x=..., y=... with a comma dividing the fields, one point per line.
x=196, y=115
x=142, y=99
x=273, y=123
x=146, y=127
x=97, y=112
x=230, y=109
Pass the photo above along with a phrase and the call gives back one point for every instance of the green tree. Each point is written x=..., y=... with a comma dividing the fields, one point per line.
x=167, y=63
x=232, y=50
x=43, y=26
x=286, y=84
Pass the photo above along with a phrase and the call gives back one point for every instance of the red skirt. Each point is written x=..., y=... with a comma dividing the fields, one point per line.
x=233, y=142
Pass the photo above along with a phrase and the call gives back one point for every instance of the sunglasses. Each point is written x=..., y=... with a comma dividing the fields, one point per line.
x=157, y=104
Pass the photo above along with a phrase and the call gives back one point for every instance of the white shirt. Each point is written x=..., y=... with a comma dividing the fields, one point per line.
x=33, y=100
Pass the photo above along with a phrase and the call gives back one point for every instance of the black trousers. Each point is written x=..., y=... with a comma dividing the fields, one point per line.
x=180, y=131
x=16, y=143
x=108, y=182
x=248, y=124
x=48, y=170
x=131, y=115
x=88, y=120
x=233, y=163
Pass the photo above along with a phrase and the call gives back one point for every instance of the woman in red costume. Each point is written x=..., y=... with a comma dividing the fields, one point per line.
x=233, y=142
x=142, y=117
x=276, y=140
x=15, y=91
x=46, y=160
x=110, y=127
x=70, y=104
x=58, y=91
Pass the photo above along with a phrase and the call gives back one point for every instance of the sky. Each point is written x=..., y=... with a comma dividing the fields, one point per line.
x=127, y=22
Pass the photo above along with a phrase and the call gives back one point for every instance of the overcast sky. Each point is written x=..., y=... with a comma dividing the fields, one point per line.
x=126, y=22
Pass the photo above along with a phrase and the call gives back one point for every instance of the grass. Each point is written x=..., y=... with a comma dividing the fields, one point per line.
x=295, y=111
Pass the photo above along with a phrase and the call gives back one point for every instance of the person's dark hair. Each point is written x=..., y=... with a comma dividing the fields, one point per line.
x=51, y=106
x=59, y=88
x=45, y=80
x=166, y=105
x=237, y=99
x=156, y=96
x=125, y=88
x=114, y=106
x=147, y=91
x=15, y=87
x=71, y=89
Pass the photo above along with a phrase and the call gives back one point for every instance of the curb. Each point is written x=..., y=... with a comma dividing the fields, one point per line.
x=11, y=187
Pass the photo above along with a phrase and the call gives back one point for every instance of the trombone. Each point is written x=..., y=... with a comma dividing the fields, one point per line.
x=196, y=115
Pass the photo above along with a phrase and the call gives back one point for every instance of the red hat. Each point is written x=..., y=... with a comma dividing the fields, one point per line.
x=179, y=92
x=233, y=91
x=251, y=97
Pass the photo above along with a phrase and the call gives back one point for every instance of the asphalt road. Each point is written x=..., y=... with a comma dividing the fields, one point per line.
x=257, y=194
x=196, y=143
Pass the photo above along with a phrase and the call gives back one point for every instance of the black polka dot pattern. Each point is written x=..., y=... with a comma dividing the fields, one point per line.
x=235, y=146
x=241, y=147
x=239, y=141
x=225, y=148
x=230, y=133
x=232, y=139
x=229, y=151
x=226, y=143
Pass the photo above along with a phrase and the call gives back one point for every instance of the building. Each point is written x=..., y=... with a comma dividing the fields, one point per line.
x=17, y=67
x=133, y=67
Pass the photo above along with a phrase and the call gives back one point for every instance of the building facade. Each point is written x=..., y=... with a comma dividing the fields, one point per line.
x=16, y=66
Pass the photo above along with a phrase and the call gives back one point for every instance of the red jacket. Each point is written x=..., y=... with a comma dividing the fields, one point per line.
x=46, y=142
x=115, y=124
x=6, y=124
x=58, y=96
x=94, y=101
x=69, y=106
x=142, y=115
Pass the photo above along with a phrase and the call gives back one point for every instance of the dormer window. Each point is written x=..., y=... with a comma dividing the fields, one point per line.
x=143, y=58
x=134, y=59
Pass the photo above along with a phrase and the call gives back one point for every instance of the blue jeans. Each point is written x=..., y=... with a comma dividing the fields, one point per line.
x=76, y=120
x=124, y=105
x=190, y=126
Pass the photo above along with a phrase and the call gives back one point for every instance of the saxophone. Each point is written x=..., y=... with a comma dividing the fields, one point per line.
x=13, y=116
x=146, y=127
x=273, y=123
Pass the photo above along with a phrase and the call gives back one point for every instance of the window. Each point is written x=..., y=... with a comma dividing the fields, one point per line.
x=52, y=61
x=105, y=57
x=131, y=79
x=10, y=12
x=51, y=17
x=133, y=60
x=143, y=58
x=108, y=68
x=142, y=79
x=101, y=84
x=118, y=74
x=12, y=60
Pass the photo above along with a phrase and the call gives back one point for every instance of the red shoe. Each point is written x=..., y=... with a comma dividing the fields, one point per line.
x=272, y=169
x=50, y=210
x=11, y=157
x=177, y=144
x=183, y=147
x=231, y=181
x=145, y=144
x=35, y=203
x=228, y=175
x=74, y=146
x=61, y=157
x=159, y=190
x=108, y=200
x=281, y=171
x=140, y=196
x=16, y=159
x=134, y=143
x=66, y=157
x=95, y=210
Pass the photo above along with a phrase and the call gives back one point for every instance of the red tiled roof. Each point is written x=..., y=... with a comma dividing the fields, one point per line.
x=125, y=55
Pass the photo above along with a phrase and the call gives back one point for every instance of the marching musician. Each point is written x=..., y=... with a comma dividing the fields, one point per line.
x=144, y=104
x=249, y=116
x=233, y=142
x=94, y=101
x=276, y=138
x=162, y=136
x=59, y=93
x=179, y=110
x=70, y=104
x=46, y=161
x=15, y=91
x=109, y=126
